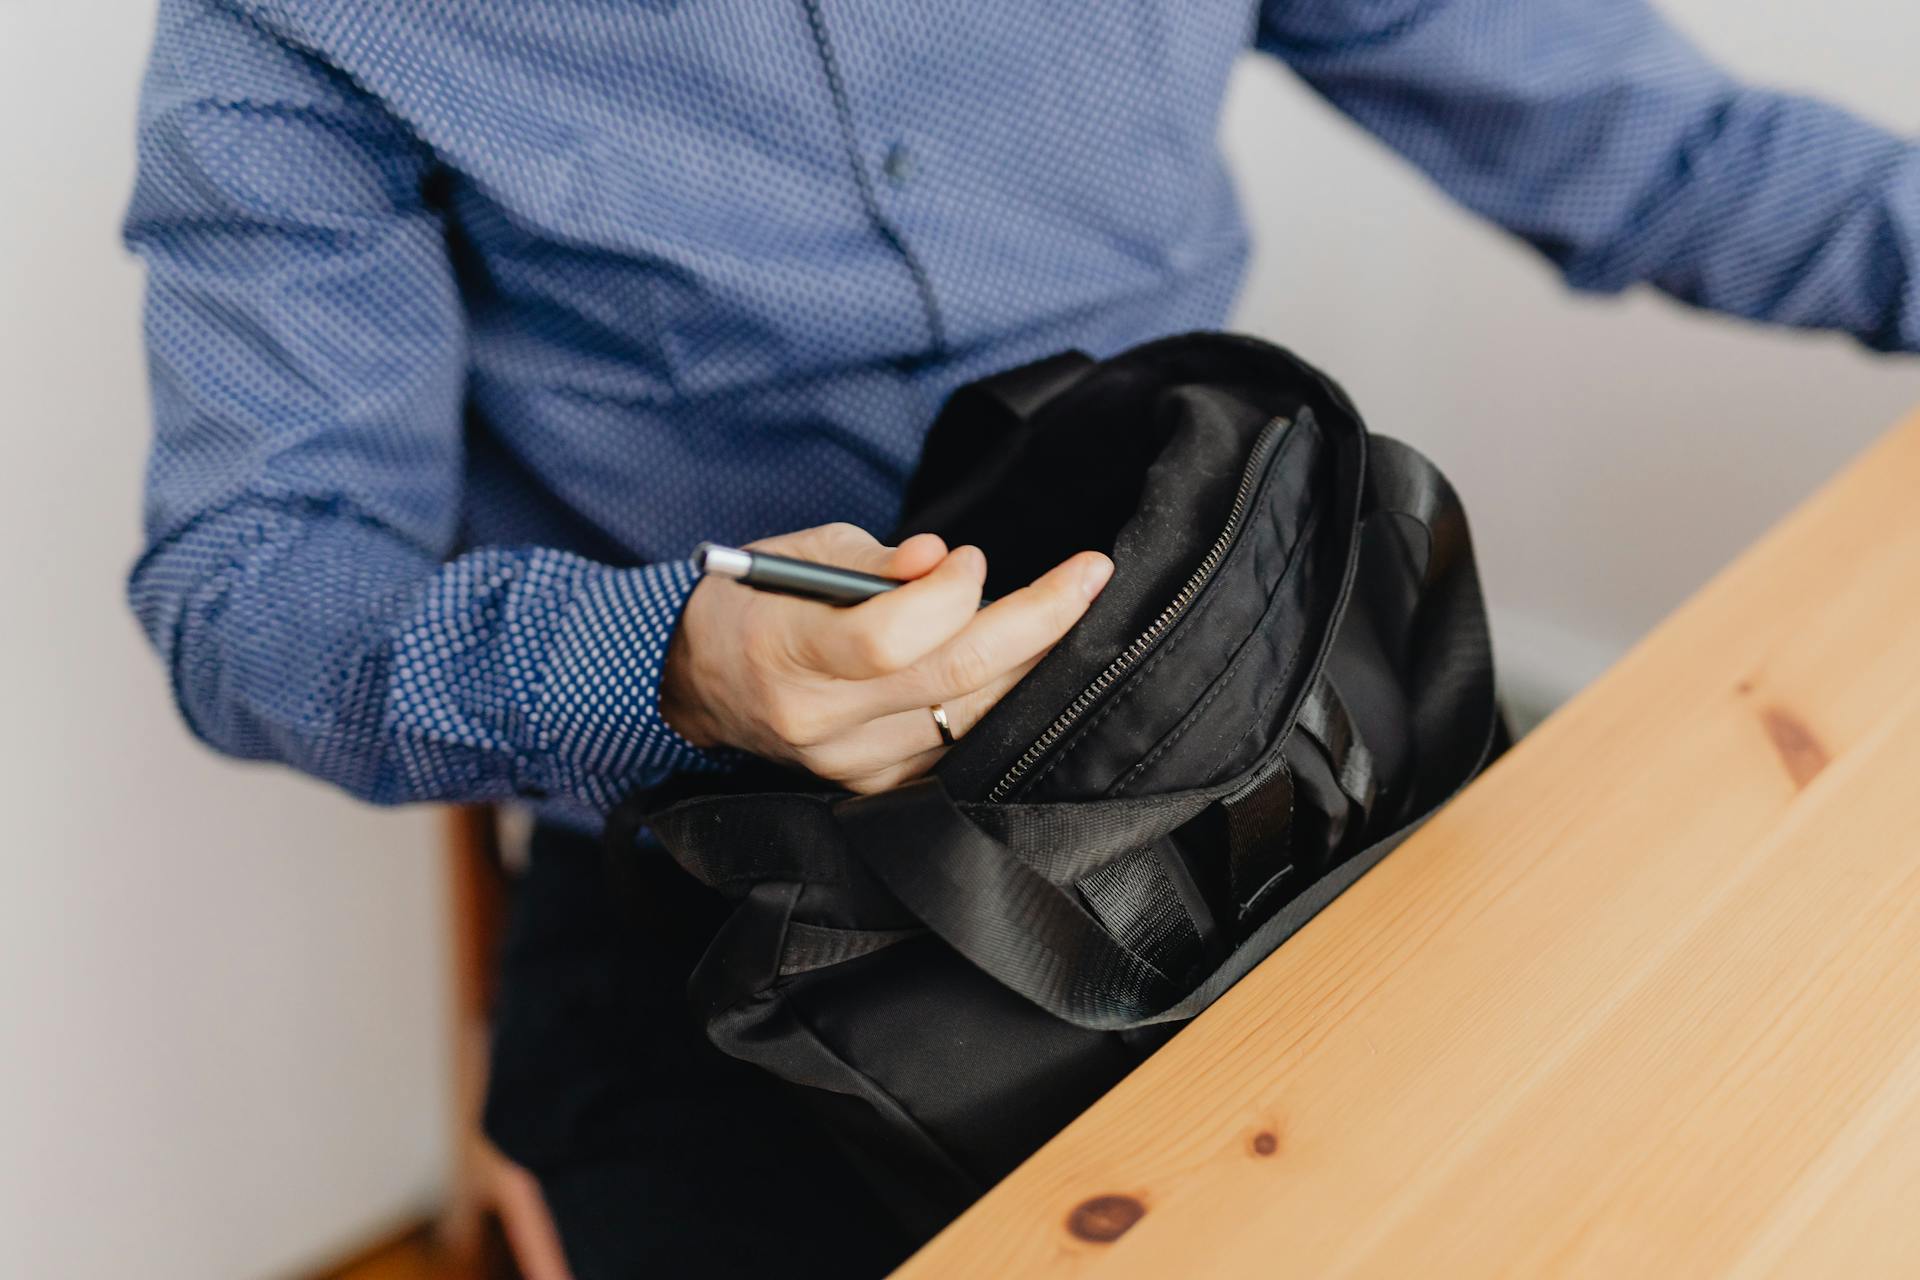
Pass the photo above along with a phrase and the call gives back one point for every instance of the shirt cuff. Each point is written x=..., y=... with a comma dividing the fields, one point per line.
x=602, y=730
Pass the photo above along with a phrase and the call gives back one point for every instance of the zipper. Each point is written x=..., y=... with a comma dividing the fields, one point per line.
x=1145, y=643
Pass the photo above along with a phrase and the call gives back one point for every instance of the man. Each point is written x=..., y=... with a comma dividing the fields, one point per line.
x=467, y=321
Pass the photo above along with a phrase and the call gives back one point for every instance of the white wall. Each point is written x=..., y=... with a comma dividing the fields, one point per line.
x=221, y=1012
x=1612, y=452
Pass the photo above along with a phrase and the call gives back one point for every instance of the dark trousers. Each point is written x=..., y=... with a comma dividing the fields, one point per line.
x=658, y=1156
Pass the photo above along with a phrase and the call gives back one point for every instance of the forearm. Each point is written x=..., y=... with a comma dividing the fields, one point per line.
x=1789, y=211
x=1597, y=133
x=317, y=638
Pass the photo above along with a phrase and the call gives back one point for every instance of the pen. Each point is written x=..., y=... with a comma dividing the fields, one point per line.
x=787, y=576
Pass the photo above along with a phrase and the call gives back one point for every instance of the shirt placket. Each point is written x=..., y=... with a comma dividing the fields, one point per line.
x=894, y=166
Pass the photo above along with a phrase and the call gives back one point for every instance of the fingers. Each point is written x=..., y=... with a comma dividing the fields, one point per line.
x=851, y=547
x=895, y=773
x=1006, y=636
x=845, y=692
x=891, y=632
x=915, y=557
x=895, y=748
x=914, y=728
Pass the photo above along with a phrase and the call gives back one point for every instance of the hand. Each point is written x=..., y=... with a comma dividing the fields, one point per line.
x=844, y=692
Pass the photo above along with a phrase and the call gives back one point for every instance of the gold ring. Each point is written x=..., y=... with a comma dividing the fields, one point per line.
x=940, y=723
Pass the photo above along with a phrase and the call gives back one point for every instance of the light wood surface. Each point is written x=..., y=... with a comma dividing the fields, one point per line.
x=1644, y=1001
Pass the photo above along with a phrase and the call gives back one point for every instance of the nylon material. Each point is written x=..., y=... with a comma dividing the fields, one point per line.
x=974, y=440
x=1349, y=448
x=731, y=843
x=1259, y=836
x=1106, y=404
x=1458, y=675
x=994, y=909
x=1183, y=493
x=1324, y=815
x=1460, y=713
x=810, y=947
x=1265, y=674
x=1324, y=716
x=743, y=959
x=1311, y=901
x=954, y=1050
x=771, y=1031
x=964, y=1065
x=1464, y=733
x=1283, y=924
x=1137, y=902
x=857, y=902
x=1452, y=650
x=1066, y=842
x=1374, y=684
x=1154, y=699
x=1191, y=865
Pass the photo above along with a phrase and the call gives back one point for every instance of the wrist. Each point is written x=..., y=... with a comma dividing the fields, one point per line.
x=682, y=706
x=597, y=725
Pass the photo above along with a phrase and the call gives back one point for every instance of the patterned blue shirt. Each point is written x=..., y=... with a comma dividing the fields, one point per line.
x=467, y=320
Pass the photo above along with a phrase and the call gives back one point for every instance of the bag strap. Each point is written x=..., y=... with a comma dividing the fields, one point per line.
x=1455, y=712
x=1324, y=717
x=1258, y=818
x=984, y=902
x=980, y=417
x=1034, y=936
x=731, y=843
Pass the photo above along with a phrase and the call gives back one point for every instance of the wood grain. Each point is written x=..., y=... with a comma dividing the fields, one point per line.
x=1644, y=1001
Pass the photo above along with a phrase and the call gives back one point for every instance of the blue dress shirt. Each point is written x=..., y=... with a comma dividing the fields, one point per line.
x=466, y=321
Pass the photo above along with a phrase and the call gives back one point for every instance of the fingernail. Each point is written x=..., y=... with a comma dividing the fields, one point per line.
x=970, y=558
x=1094, y=574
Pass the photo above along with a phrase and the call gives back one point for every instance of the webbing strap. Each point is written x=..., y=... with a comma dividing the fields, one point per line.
x=814, y=946
x=1259, y=835
x=1324, y=717
x=731, y=843
x=997, y=911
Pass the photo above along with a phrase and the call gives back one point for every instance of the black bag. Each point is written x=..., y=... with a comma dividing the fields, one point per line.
x=1288, y=670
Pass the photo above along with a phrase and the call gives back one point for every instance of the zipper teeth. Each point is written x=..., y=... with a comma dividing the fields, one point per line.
x=1144, y=642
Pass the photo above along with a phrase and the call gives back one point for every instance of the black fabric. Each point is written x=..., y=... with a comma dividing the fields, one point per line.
x=1288, y=671
x=657, y=1154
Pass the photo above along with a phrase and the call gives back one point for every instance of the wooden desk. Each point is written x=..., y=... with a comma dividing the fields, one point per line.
x=1645, y=1001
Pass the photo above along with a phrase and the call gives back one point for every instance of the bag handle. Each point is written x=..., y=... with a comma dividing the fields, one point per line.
x=994, y=909
x=1036, y=939
x=978, y=420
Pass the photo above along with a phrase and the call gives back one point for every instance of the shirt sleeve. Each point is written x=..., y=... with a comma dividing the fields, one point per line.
x=306, y=353
x=1600, y=135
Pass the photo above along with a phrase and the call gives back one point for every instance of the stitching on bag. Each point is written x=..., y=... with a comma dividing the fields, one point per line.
x=1266, y=705
x=1140, y=677
x=1118, y=701
x=1219, y=685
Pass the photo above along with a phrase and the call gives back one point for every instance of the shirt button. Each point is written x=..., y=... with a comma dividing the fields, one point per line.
x=897, y=164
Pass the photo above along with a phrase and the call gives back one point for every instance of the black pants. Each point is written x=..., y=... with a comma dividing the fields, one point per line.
x=657, y=1155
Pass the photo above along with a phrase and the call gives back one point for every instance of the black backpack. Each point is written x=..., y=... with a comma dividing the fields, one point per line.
x=1287, y=672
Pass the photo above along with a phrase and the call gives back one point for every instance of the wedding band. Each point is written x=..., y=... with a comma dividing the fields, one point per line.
x=940, y=723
